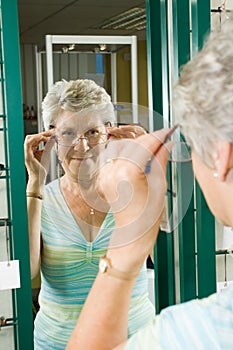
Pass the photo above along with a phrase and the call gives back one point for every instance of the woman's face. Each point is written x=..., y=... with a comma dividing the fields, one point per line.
x=77, y=147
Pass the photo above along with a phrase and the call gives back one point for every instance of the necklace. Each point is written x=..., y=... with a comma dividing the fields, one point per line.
x=90, y=210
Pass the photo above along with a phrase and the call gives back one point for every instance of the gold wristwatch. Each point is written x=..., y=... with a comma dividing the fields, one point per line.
x=105, y=266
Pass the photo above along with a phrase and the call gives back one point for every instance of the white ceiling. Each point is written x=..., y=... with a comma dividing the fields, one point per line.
x=81, y=17
x=70, y=17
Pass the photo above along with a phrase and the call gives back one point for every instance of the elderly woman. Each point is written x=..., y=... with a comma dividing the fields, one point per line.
x=69, y=223
x=205, y=112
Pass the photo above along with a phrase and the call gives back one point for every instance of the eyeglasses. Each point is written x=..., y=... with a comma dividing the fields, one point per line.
x=181, y=151
x=69, y=138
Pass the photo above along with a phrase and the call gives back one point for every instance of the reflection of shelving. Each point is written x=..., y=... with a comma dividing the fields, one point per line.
x=30, y=126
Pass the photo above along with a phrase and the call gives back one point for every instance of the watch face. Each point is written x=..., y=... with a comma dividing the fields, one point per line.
x=103, y=265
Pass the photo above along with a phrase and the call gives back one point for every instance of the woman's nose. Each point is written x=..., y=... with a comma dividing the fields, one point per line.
x=81, y=144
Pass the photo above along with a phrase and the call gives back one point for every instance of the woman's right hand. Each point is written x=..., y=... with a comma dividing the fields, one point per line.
x=136, y=196
x=36, y=161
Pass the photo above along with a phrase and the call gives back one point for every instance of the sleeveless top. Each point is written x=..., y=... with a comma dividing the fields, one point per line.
x=69, y=265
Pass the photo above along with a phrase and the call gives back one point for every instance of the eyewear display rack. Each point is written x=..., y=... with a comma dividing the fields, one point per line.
x=20, y=323
x=185, y=262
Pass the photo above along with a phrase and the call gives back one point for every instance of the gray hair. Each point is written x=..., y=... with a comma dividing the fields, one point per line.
x=203, y=101
x=74, y=96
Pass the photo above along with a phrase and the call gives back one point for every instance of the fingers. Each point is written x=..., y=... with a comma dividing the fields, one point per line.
x=153, y=144
x=45, y=160
x=31, y=146
x=139, y=151
x=137, y=197
x=126, y=131
x=33, y=141
x=153, y=140
x=38, y=154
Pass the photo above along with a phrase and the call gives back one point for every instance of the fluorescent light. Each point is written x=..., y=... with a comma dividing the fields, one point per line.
x=134, y=18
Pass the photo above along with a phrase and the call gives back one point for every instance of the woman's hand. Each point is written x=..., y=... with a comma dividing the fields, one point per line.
x=37, y=160
x=128, y=131
x=136, y=196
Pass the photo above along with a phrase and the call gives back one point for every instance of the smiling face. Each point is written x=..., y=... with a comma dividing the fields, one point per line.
x=78, y=146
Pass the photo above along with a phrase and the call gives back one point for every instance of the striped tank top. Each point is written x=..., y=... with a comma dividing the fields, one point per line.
x=69, y=265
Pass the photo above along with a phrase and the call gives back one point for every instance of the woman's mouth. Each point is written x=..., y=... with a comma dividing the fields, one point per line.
x=80, y=159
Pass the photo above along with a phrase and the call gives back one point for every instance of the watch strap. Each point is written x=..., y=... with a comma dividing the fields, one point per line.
x=111, y=271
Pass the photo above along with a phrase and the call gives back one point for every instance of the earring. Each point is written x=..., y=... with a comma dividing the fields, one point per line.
x=215, y=175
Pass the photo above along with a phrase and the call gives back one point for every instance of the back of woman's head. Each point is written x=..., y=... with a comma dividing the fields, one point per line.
x=74, y=96
x=203, y=101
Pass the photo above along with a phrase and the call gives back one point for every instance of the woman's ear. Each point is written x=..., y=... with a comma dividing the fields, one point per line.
x=224, y=161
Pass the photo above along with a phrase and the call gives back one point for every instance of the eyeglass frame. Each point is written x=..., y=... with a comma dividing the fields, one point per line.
x=76, y=141
x=107, y=124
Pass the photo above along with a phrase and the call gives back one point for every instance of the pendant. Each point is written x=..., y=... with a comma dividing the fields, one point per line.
x=92, y=211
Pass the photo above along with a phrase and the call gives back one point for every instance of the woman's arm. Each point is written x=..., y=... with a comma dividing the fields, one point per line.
x=35, y=186
x=103, y=322
x=34, y=214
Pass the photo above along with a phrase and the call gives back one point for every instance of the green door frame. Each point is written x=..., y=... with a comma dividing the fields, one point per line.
x=185, y=185
x=157, y=53
x=196, y=232
x=16, y=177
x=206, y=257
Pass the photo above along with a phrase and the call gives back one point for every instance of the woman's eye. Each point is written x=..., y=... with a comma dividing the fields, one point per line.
x=68, y=133
x=93, y=132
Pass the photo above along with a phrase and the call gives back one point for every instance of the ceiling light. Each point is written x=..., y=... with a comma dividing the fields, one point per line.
x=71, y=47
x=103, y=47
x=132, y=23
x=66, y=49
x=126, y=19
x=139, y=25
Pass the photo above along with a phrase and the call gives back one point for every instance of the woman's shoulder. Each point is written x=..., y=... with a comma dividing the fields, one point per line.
x=52, y=191
x=52, y=186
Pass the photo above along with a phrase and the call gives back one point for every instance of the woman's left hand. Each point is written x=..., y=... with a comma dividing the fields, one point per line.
x=128, y=131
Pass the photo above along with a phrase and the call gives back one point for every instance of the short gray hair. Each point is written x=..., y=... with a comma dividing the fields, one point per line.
x=74, y=96
x=203, y=101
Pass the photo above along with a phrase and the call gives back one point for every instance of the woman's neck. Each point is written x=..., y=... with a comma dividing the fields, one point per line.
x=88, y=198
x=71, y=183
